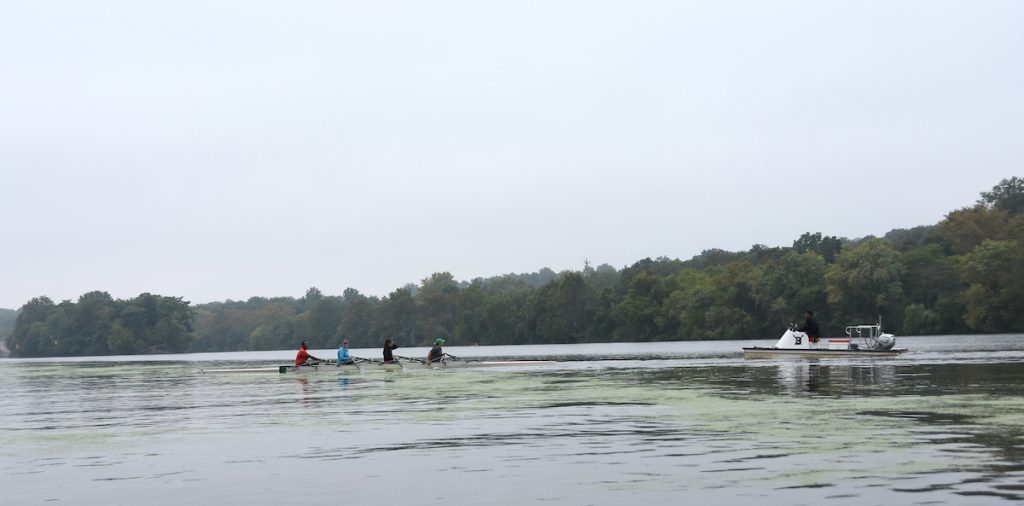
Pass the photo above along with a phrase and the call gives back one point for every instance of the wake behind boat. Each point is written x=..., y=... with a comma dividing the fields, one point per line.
x=860, y=341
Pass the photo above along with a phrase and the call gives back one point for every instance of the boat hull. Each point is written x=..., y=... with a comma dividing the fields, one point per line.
x=757, y=352
x=245, y=370
x=456, y=364
x=288, y=369
x=379, y=366
x=318, y=369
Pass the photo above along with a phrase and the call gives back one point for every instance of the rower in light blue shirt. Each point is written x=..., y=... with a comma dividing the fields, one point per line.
x=343, y=356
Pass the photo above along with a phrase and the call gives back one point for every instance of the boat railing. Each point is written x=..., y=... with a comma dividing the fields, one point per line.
x=864, y=331
x=868, y=335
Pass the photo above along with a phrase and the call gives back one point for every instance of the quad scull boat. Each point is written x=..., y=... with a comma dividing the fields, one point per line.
x=322, y=367
x=361, y=365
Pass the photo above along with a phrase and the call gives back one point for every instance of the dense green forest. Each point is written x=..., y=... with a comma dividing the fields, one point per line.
x=7, y=319
x=964, y=274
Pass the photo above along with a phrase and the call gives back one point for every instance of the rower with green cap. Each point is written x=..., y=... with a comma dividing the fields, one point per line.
x=436, y=354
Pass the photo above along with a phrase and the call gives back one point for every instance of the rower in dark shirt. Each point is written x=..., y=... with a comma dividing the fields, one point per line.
x=388, y=354
x=436, y=354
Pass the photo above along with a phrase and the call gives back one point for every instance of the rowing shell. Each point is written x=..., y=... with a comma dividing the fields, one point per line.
x=328, y=368
x=243, y=370
x=377, y=366
x=444, y=364
x=380, y=366
x=282, y=369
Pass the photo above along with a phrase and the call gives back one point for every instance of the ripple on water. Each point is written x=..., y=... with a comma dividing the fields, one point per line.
x=713, y=428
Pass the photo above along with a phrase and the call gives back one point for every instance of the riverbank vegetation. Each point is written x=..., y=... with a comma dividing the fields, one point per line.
x=964, y=274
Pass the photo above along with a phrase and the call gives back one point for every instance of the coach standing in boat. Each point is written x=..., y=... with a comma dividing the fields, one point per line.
x=303, y=355
x=436, y=353
x=389, y=345
x=810, y=327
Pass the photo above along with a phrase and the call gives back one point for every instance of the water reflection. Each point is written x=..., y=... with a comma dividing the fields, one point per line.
x=813, y=376
x=789, y=377
x=591, y=432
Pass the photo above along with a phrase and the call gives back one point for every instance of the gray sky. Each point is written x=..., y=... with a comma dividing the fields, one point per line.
x=227, y=149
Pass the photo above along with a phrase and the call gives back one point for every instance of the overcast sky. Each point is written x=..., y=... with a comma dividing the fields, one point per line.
x=228, y=149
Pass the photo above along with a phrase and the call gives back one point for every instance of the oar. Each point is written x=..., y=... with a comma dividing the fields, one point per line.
x=361, y=359
x=284, y=368
x=381, y=362
x=420, y=360
x=352, y=361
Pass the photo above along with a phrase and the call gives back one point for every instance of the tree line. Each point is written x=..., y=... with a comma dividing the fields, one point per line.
x=100, y=325
x=964, y=274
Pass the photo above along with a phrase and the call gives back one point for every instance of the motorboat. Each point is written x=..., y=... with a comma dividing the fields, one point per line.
x=860, y=341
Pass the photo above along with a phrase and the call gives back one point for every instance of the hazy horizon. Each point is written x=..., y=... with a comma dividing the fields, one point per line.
x=417, y=281
x=227, y=150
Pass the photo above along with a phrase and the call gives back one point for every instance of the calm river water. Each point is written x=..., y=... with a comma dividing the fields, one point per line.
x=651, y=423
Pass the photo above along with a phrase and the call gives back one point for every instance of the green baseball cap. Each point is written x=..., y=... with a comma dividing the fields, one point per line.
x=439, y=341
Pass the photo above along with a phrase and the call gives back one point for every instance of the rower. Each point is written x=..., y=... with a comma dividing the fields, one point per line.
x=303, y=357
x=343, y=356
x=436, y=354
x=389, y=356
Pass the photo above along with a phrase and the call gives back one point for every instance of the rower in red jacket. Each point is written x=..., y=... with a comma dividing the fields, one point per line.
x=303, y=357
